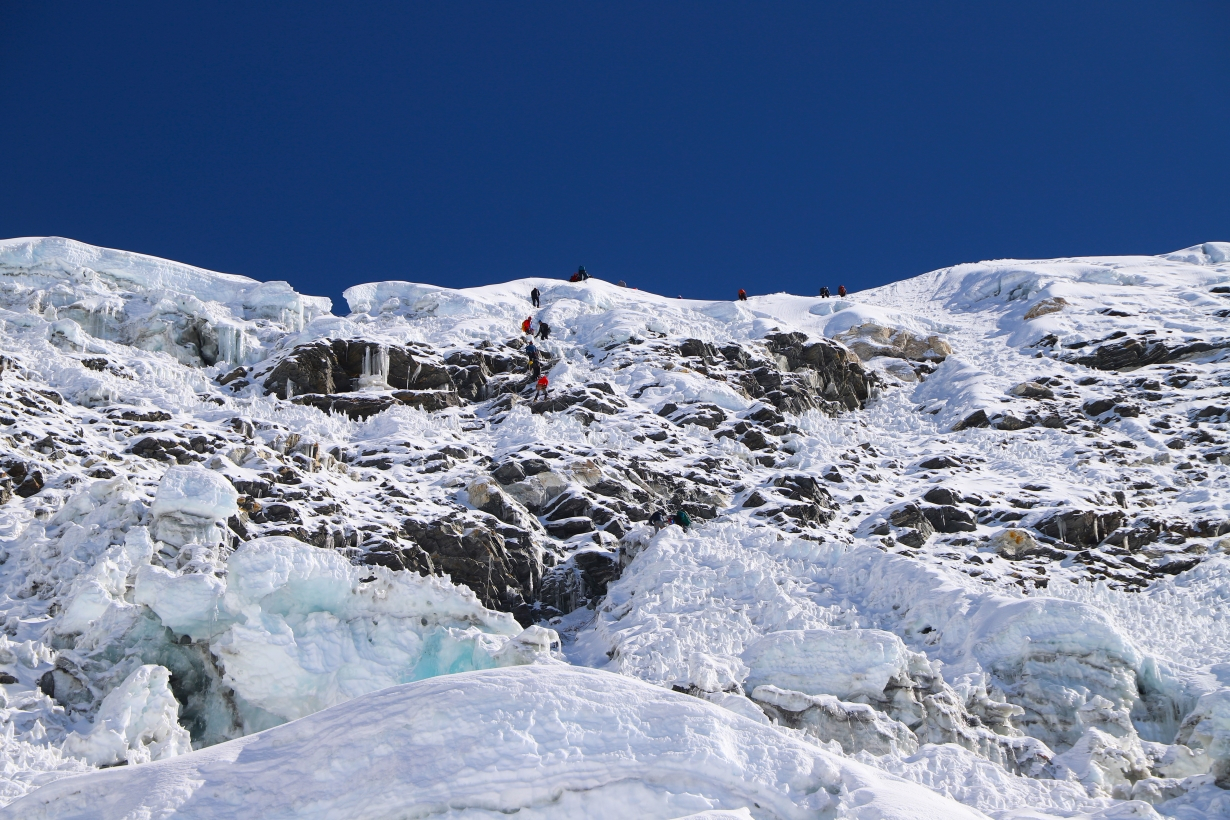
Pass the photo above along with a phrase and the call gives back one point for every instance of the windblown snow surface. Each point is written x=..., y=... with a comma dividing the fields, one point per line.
x=958, y=546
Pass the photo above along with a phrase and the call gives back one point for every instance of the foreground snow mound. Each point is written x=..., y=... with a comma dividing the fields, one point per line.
x=543, y=742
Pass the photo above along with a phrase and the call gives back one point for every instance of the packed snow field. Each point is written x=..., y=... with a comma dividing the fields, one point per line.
x=958, y=546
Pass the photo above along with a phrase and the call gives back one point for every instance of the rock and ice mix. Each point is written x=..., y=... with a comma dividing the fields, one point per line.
x=958, y=546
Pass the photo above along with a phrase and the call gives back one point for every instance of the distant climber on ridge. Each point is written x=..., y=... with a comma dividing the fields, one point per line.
x=742, y=295
x=841, y=290
x=824, y=292
x=580, y=275
x=534, y=296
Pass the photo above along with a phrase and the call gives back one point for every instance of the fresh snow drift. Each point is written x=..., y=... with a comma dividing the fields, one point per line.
x=968, y=530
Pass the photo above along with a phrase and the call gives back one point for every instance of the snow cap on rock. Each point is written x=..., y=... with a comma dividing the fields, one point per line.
x=193, y=490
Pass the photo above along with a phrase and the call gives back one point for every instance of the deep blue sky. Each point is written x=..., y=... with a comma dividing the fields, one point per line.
x=684, y=147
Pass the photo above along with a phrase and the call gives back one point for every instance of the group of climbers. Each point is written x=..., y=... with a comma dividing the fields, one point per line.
x=533, y=359
x=824, y=291
x=531, y=353
x=659, y=520
x=543, y=331
x=580, y=275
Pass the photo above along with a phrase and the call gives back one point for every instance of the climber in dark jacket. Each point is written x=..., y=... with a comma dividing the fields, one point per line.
x=544, y=331
x=534, y=296
x=824, y=292
x=532, y=352
x=742, y=295
x=682, y=519
x=657, y=520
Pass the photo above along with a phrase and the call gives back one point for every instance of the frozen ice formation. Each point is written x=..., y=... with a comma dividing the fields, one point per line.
x=91, y=295
x=968, y=530
x=192, y=506
x=297, y=629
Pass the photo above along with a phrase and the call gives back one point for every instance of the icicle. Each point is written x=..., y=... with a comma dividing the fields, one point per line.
x=290, y=390
x=375, y=368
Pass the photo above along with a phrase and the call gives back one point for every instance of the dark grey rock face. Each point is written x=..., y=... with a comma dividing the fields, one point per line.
x=1132, y=353
x=949, y=519
x=837, y=375
x=1081, y=528
x=502, y=573
x=334, y=366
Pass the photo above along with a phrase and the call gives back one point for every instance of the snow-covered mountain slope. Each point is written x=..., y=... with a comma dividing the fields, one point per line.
x=968, y=529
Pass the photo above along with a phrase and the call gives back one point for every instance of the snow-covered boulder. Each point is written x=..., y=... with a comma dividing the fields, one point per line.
x=136, y=723
x=846, y=663
x=856, y=726
x=1014, y=542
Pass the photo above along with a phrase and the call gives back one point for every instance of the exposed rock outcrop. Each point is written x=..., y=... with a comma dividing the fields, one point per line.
x=870, y=340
